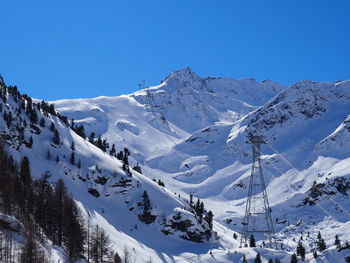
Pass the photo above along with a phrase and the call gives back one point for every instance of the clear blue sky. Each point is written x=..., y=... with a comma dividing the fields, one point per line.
x=54, y=49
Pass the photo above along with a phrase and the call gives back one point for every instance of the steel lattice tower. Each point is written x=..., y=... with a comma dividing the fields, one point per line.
x=257, y=219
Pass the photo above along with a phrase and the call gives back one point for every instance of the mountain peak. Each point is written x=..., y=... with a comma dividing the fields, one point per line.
x=183, y=76
x=184, y=71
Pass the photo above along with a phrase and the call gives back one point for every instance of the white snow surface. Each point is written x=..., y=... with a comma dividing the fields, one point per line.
x=190, y=132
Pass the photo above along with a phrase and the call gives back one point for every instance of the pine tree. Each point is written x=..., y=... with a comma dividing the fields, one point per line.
x=337, y=241
x=201, y=208
x=161, y=183
x=30, y=251
x=98, y=143
x=52, y=109
x=146, y=202
x=117, y=258
x=100, y=246
x=25, y=173
x=52, y=127
x=137, y=168
x=105, y=145
x=321, y=244
x=270, y=261
x=73, y=231
x=79, y=164
x=56, y=137
x=244, y=259
x=126, y=256
x=80, y=130
x=112, y=151
x=42, y=122
x=72, y=146
x=252, y=241
x=33, y=116
x=209, y=219
x=125, y=160
x=301, y=250
x=294, y=259
x=196, y=208
x=257, y=258
x=60, y=195
x=92, y=137
x=72, y=158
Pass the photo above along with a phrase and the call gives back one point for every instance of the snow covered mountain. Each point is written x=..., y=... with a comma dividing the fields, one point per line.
x=189, y=133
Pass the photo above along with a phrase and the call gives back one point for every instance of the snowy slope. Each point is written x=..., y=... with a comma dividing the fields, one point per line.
x=107, y=194
x=190, y=132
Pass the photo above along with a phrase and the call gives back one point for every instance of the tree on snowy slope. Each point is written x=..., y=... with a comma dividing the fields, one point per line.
x=336, y=241
x=137, y=168
x=294, y=259
x=31, y=250
x=25, y=188
x=251, y=241
x=257, y=258
x=117, y=258
x=301, y=250
x=124, y=157
x=209, y=219
x=146, y=215
x=146, y=202
x=321, y=244
x=100, y=245
x=38, y=206
x=56, y=137
x=72, y=158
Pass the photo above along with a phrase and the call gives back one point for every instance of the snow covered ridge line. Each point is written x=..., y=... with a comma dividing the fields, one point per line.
x=303, y=100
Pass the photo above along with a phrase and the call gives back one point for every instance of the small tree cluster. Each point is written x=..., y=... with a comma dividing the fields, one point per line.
x=56, y=135
x=198, y=209
x=137, y=168
x=301, y=250
x=40, y=206
x=321, y=244
x=80, y=130
x=200, y=212
x=102, y=144
x=124, y=157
